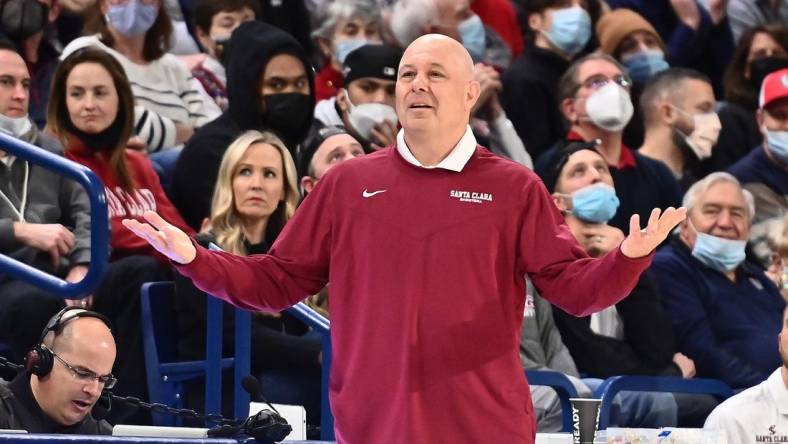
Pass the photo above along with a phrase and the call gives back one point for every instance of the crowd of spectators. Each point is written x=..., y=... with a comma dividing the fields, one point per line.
x=221, y=115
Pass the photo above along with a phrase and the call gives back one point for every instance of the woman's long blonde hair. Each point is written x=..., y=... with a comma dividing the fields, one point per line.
x=225, y=222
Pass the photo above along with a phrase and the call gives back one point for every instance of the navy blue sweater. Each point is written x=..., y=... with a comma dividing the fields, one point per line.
x=757, y=167
x=728, y=328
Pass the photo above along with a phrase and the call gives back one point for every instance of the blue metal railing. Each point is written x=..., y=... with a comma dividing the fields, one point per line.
x=99, y=223
x=242, y=362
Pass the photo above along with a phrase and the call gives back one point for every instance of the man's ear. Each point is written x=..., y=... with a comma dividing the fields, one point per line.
x=342, y=101
x=759, y=118
x=561, y=201
x=667, y=113
x=308, y=183
x=569, y=109
x=473, y=91
x=687, y=235
x=204, y=38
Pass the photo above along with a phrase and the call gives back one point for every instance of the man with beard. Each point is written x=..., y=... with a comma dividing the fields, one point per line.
x=760, y=413
x=681, y=123
x=269, y=88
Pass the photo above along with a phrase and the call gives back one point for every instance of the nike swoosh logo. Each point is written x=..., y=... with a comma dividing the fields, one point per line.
x=370, y=194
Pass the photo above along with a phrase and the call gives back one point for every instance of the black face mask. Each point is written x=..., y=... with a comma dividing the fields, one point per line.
x=19, y=19
x=288, y=114
x=760, y=68
x=105, y=141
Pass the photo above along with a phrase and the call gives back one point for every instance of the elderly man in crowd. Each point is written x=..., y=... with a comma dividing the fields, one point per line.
x=725, y=310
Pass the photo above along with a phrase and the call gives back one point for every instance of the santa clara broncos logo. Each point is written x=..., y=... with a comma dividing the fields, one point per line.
x=773, y=429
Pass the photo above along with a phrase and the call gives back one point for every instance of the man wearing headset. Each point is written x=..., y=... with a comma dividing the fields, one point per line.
x=65, y=375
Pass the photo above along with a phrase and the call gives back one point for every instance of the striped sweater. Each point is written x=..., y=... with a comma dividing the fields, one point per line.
x=164, y=92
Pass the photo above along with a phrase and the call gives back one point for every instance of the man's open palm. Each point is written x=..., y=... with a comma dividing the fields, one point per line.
x=640, y=243
x=164, y=237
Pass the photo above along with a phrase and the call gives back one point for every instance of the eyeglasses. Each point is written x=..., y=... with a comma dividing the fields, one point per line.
x=599, y=80
x=108, y=381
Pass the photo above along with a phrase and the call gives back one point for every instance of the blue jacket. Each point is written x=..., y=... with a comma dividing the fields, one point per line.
x=729, y=329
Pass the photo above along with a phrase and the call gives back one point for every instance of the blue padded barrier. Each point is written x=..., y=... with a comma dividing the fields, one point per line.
x=562, y=385
x=673, y=384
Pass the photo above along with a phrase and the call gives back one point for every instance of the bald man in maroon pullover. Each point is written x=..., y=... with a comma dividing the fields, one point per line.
x=426, y=245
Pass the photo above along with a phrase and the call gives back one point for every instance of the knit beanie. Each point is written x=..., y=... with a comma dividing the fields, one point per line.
x=616, y=25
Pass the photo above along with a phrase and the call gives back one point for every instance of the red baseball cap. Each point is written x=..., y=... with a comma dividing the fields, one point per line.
x=774, y=87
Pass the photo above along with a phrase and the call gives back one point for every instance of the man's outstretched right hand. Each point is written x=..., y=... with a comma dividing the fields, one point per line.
x=164, y=237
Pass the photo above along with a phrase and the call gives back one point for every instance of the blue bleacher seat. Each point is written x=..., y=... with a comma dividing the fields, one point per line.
x=167, y=375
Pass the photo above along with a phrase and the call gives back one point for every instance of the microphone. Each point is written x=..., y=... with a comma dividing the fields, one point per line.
x=265, y=426
x=102, y=407
x=253, y=386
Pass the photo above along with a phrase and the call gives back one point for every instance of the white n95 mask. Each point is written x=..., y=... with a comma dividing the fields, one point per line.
x=610, y=107
x=364, y=117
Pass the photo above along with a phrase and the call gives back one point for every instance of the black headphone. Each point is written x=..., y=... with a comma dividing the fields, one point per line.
x=40, y=359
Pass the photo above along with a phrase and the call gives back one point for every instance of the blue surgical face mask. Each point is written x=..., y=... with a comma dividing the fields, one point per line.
x=777, y=142
x=472, y=34
x=718, y=253
x=345, y=47
x=644, y=64
x=595, y=203
x=132, y=19
x=570, y=30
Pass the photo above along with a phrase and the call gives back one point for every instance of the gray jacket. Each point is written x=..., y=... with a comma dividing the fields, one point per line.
x=51, y=199
x=541, y=347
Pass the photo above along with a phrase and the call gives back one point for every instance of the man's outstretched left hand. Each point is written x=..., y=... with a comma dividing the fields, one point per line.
x=641, y=243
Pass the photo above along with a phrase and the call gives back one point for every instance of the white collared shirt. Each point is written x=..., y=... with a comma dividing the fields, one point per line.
x=455, y=161
x=758, y=414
